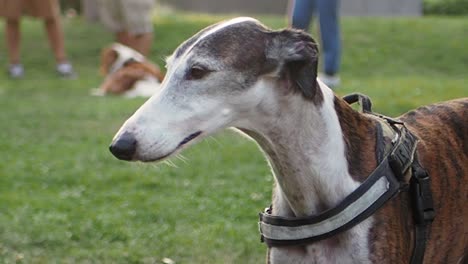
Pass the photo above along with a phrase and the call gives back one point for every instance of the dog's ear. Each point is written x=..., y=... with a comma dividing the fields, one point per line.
x=292, y=55
x=108, y=57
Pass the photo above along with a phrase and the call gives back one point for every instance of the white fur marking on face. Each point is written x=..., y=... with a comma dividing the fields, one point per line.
x=217, y=28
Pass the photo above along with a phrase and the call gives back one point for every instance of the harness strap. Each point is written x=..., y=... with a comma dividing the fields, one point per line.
x=421, y=235
x=376, y=190
x=362, y=203
x=362, y=99
x=423, y=210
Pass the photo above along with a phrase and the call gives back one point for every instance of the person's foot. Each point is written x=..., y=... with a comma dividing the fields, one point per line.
x=331, y=81
x=65, y=69
x=16, y=71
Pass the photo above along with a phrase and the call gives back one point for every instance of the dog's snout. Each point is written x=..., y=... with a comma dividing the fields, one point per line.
x=124, y=146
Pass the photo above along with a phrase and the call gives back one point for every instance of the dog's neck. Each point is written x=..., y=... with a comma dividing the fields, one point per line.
x=319, y=153
x=307, y=146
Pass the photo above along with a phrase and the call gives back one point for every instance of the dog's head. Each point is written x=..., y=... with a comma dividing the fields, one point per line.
x=124, y=67
x=117, y=56
x=225, y=75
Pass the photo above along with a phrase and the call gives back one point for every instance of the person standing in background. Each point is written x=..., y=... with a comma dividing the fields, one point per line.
x=49, y=11
x=131, y=22
x=328, y=12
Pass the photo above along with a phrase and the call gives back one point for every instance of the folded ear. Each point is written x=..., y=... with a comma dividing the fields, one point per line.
x=294, y=56
x=108, y=57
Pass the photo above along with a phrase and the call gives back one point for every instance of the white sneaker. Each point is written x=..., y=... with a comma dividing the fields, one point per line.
x=331, y=81
x=16, y=71
x=65, y=69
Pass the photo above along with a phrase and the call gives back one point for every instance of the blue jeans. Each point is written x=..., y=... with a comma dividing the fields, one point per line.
x=328, y=12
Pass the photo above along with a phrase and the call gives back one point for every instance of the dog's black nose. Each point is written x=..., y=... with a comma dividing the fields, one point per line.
x=124, y=146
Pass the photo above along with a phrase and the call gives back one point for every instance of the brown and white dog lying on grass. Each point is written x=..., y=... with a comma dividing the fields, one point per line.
x=128, y=73
x=240, y=74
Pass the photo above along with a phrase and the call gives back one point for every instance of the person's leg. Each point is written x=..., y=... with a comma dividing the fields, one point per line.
x=110, y=15
x=330, y=35
x=139, y=42
x=56, y=39
x=301, y=13
x=124, y=38
x=13, y=39
x=143, y=43
x=137, y=18
x=122, y=35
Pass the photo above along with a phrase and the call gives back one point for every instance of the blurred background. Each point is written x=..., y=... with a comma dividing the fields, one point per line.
x=65, y=199
x=350, y=7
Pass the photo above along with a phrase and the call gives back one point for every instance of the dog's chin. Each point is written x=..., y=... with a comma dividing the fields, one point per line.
x=190, y=139
x=155, y=158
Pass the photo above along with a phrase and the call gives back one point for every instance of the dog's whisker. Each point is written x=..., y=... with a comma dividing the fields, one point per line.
x=182, y=158
x=171, y=163
x=156, y=165
x=219, y=143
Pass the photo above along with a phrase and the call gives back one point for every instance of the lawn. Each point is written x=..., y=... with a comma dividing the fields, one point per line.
x=65, y=199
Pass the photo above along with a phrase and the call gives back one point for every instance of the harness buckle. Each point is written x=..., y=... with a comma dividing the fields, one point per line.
x=422, y=197
x=401, y=157
x=260, y=216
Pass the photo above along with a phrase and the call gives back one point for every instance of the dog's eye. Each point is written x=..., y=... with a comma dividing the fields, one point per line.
x=197, y=73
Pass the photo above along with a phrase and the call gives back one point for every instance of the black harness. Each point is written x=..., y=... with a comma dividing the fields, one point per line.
x=386, y=181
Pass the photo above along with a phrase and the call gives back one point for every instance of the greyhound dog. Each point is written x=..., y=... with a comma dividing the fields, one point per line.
x=238, y=73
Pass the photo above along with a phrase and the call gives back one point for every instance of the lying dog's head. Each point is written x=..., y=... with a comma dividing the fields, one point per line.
x=125, y=68
x=116, y=56
x=223, y=76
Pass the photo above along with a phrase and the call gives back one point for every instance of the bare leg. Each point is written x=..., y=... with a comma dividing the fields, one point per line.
x=124, y=38
x=56, y=41
x=55, y=35
x=13, y=39
x=141, y=43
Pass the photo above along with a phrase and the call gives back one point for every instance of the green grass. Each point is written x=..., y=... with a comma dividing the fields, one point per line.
x=65, y=199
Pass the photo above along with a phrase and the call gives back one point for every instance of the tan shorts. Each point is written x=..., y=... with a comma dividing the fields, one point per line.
x=133, y=16
x=35, y=8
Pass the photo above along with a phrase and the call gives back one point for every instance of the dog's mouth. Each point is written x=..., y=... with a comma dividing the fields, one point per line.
x=181, y=144
x=189, y=138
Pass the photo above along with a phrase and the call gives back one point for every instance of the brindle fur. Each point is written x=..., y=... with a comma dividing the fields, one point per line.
x=443, y=151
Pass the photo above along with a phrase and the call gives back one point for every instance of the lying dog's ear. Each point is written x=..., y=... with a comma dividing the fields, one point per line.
x=293, y=56
x=108, y=57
